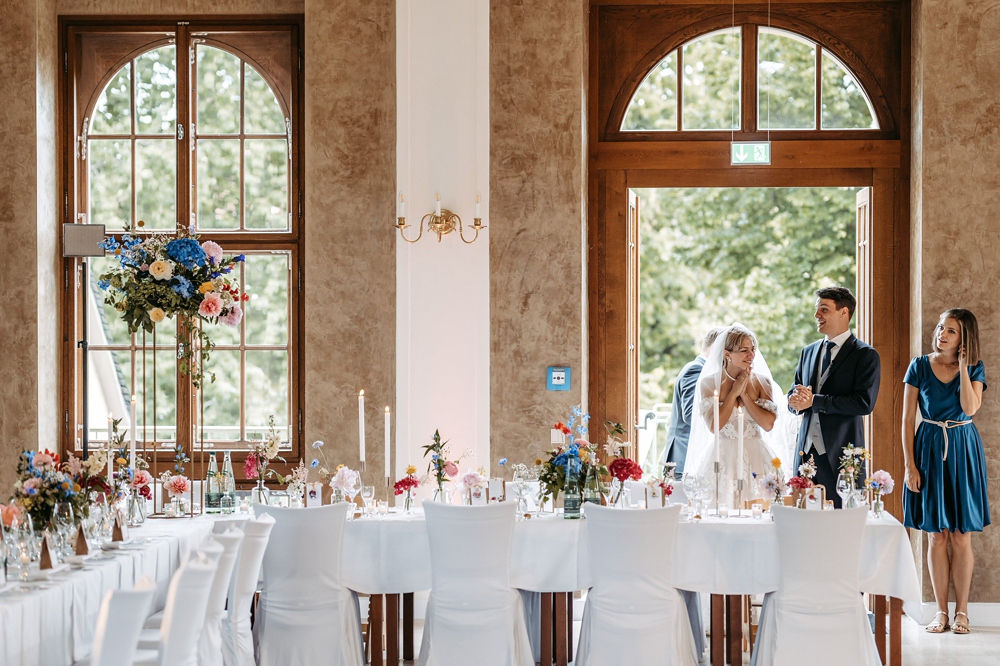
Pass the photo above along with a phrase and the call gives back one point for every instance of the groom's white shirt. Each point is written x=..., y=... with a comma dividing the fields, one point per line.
x=815, y=439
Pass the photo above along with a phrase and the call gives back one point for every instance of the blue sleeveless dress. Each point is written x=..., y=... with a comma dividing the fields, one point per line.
x=953, y=491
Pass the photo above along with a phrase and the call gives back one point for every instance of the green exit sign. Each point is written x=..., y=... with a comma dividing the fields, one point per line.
x=751, y=152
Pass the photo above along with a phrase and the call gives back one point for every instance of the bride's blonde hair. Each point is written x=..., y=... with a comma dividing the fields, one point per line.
x=735, y=335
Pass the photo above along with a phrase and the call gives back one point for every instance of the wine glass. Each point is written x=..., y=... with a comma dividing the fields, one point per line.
x=349, y=492
x=367, y=496
x=521, y=493
x=62, y=525
x=844, y=487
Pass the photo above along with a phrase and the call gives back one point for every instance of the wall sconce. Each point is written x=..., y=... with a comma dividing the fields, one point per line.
x=441, y=221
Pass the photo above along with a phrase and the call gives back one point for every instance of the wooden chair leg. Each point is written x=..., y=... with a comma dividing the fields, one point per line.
x=392, y=629
x=878, y=604
x=895, y=632
x=569, y=625
x=734, y=630
x=408, y=626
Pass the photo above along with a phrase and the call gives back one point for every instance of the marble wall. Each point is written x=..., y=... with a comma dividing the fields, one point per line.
x=538, y=73
x=956, y=176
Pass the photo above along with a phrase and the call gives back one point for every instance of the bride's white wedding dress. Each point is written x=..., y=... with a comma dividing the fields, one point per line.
x=757, y=454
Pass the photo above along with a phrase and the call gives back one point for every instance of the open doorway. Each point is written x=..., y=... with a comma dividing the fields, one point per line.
x=714, y=256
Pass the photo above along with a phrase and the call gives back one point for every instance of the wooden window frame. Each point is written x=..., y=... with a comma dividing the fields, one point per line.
x=183, y=30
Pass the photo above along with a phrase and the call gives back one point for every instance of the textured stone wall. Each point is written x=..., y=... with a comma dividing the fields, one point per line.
x=538, y=70
x=956, y=178
x=350, y=285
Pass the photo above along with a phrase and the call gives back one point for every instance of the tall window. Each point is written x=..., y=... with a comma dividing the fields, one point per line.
x=189, y=129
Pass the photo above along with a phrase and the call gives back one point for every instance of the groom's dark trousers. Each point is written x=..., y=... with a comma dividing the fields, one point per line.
x=847, y=395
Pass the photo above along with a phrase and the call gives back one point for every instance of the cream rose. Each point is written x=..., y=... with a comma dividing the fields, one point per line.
x=157, y=315
x=161, y=270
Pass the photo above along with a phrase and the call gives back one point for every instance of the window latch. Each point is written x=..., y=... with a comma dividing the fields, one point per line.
x=180, y=131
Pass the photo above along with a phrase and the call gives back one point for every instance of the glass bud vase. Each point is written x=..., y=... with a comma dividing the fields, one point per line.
x=408, y=503
x=260, y=494
x=136, y=509
x=440, y=495
x=878, y=508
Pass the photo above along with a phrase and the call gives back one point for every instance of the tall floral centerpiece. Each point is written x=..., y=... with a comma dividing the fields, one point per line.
x=262, y=452
x=41, y=484
x=621, y=468
x=158, y=277
x=407, y=485
x=439, y=467
x=575, y=457
x=879, y=483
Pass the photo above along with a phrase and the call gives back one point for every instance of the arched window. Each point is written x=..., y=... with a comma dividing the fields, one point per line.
x=699, y=86
x=192, y=133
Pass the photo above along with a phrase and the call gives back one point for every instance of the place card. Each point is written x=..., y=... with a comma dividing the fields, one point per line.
x=478, y=496
x=45, y=559
x=80, y=546
x=120, y=530
x=498, y=490
x=815, y=498
x=314, y=494
x=655, y=497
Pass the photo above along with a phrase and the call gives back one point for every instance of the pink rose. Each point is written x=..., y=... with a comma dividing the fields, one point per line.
x=9, y=513
x=450, y=468
x=142, y=478
x=232, y=316
x=211, y=306
x=177, y=485
x=41, y=460
x=213, y=251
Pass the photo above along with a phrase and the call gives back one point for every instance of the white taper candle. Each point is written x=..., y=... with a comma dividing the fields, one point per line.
x=361, y=424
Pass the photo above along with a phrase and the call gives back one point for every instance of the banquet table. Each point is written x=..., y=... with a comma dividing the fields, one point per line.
x=52, y=623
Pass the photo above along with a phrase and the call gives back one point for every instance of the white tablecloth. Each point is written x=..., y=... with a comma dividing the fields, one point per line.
x=720, y=556
x=55, y=626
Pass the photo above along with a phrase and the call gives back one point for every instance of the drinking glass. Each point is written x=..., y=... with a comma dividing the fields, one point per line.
x=62, y=524
x=844, y=487
x=367, y=495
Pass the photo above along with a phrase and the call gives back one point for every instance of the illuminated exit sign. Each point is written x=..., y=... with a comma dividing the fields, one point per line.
x=750, y=152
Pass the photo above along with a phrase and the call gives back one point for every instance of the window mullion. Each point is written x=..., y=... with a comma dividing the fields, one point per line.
x=748, y=76
x=185, y=391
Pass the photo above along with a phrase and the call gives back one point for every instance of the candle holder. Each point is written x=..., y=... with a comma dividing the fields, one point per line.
x=442, y=223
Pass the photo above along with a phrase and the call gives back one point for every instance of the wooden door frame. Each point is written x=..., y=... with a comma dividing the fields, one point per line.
x=609, y=289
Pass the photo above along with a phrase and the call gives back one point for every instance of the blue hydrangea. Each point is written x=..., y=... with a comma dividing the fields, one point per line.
x=182, y=286
x=560, y=460
x=103, y=284
x=186, y=252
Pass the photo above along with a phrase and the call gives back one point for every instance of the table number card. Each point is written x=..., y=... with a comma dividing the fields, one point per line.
x=498, y=490
x=815, y=498
x=314, y=494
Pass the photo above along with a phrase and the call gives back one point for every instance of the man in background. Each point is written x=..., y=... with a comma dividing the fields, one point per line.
x=679, y=432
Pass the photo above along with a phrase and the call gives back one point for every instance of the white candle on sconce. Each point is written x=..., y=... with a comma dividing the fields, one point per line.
x=388, y=475
x=437, y=204
x=477, y=206
x=401, y=208
x=361, y=425
x=131, y=443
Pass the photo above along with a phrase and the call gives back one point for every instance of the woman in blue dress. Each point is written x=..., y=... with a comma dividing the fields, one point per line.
x=945, y=492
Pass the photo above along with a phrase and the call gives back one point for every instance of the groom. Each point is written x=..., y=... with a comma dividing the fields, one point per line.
x=836, y=383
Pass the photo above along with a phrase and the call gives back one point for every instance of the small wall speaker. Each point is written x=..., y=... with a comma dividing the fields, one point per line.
x=81, y=240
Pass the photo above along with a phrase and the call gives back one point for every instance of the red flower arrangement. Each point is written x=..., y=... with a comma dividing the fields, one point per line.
x=408, y=482
x=800, y=483
x=562, y=427
x=624, y=469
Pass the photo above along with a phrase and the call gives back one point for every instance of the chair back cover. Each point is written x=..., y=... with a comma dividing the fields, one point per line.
x=184, y=614
x=633, y=614
x=119, y=622
x=237, y=638
x=305, y=615
x=210, y=644
x=818, y=602
x=473, y=615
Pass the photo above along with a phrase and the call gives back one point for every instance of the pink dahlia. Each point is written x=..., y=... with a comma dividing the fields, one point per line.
x=142, y=478
x=232, y=317
x=213, y=251
x=177, y=485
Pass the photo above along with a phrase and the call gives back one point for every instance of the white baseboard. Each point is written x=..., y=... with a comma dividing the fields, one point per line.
x=980, y=614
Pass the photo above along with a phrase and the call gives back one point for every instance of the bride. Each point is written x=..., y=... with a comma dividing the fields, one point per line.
x=736, y=369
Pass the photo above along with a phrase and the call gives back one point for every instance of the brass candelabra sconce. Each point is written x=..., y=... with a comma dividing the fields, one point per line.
x=441, y=222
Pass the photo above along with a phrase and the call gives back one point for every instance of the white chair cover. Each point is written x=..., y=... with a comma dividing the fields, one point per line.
x=210, y=643
x=633, y=614
x=184, y=613
x=816, y=616
x=237, y=639
x=305, y=615
x=119, y=622
x=473, y=615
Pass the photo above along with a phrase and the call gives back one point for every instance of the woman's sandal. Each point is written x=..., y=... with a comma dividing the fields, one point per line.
x=936, y=627
x=960, y=628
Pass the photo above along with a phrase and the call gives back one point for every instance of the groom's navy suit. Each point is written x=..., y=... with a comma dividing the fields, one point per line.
x=848, y=394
